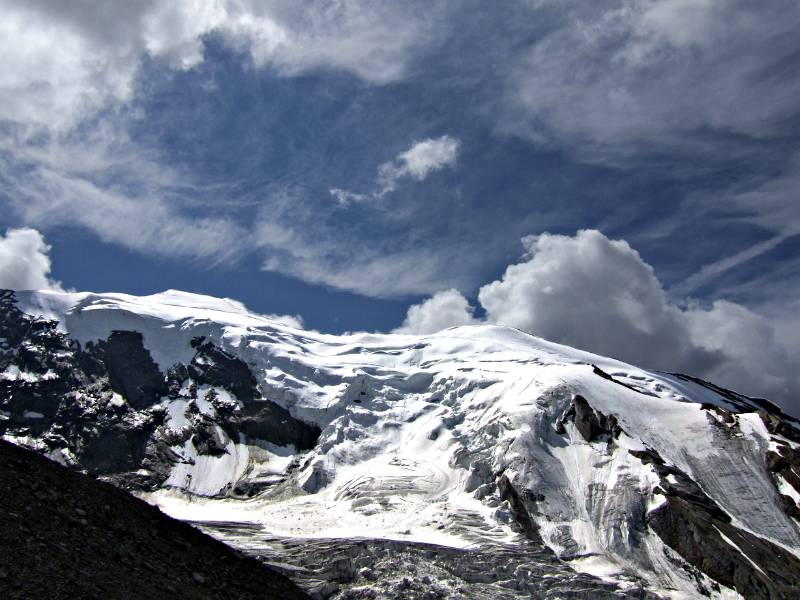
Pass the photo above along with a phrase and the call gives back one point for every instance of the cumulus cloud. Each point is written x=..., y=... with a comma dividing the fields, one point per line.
x=756, y=360
x=63, y=62
x=420, y=160
x=598, y=294
x=593, y=293
x=25, y=261
x=444, y=309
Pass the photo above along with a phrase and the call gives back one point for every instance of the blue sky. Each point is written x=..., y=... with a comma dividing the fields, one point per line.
x=347, y=160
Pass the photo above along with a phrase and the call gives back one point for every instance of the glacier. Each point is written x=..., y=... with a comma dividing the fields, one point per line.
x=557, y=472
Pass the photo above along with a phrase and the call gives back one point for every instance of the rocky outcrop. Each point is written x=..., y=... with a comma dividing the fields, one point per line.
x=734, y=557
x=213, y=366
x=37, y=368
x=590, y=423
x=783, y=462
x=269, y=421
x=256, y=417
x=703, y=534
x=132, y=373
x=522, y=507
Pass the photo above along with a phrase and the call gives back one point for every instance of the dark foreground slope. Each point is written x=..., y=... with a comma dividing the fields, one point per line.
x=67, y=535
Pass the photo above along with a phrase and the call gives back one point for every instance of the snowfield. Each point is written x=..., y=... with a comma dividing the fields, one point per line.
x=418, y=432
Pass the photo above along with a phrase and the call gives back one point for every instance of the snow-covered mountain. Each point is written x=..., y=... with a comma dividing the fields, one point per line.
x=476, y=462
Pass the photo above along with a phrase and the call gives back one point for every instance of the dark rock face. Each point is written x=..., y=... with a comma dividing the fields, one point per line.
x=647, y=456
x=779, y=426
x=255, y=417
x=598, y=371
x=784, y=461
x=207, y=441
x=66, y=535
x=696, y=534
x=590, y=423
x=213, y=366
x=62, y=395
x=44, y=362
x=68, y=398
x=268, y=421
x=521, y=506
x=132, y=373
x=693, y=525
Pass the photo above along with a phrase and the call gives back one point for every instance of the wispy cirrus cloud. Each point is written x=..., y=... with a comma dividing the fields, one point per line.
x=347, y=259
x=68, y=97
x=102, y=182
x=612, y=79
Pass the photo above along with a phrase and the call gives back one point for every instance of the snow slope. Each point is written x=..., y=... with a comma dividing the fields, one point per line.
x=417, y=433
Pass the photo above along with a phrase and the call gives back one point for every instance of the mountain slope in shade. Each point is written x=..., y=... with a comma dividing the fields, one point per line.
x=66, y=535
x=482, y=461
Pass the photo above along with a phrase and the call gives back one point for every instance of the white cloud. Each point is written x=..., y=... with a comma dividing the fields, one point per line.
x=756, y=360
x=25, y=261
x=63, y=62
x=373, y=40
x=366, y=269
x=345, y=197
x=593, y=293
x=70, y=73
x=619, y=75
x=66, y=185
x=420, y=160
x=598, y=294
x=444, y=309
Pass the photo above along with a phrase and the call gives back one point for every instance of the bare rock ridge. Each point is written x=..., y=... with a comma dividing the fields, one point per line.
x=479, y=462
x=741, y=403
x=693, y=525
x=67, y=535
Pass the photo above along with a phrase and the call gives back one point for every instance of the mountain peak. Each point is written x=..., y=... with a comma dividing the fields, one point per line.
x=474, y=442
